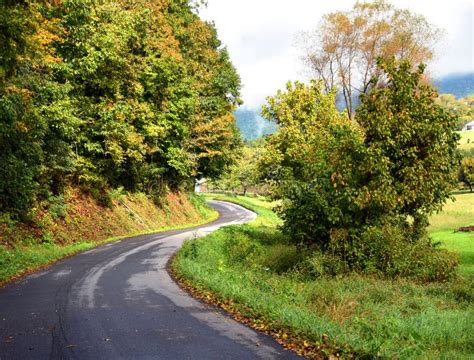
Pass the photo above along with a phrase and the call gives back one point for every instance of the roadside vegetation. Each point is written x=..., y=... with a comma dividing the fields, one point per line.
x=267, y=281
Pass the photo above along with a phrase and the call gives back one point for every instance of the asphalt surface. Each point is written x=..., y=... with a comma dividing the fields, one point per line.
x=118, y=301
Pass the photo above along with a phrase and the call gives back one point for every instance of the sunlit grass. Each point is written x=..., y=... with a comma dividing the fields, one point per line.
x=467, y=140
x=454, y=214
x=444, y=228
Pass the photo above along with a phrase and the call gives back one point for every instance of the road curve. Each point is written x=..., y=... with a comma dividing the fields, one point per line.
x=117, y=301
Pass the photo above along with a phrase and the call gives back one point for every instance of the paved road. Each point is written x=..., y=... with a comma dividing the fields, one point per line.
x=117, y=301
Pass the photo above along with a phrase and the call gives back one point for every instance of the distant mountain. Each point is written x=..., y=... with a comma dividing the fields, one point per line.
x=460, y=85
x=252, y=125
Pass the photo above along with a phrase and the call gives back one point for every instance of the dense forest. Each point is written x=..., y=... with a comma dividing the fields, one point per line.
x=108, y=94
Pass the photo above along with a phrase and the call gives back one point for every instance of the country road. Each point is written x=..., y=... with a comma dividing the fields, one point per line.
x=117, y=301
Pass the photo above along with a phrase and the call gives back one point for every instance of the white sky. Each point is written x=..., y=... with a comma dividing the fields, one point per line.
x=260, y=36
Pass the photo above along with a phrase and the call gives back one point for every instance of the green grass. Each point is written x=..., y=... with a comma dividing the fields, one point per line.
x=466, y=143
x=259, y=205
x=444, y=225
x=253, y=265
x=31, y=255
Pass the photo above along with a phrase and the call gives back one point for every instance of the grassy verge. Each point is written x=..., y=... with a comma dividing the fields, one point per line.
x=27, y=248
x=250, y=270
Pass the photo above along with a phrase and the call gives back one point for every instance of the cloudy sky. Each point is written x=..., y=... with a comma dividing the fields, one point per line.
x=261, y=34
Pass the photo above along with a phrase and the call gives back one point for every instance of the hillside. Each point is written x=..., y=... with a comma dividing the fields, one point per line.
x=460, y=85
x=252, y=125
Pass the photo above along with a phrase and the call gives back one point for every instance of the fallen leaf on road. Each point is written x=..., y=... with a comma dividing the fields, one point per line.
x=9, y=339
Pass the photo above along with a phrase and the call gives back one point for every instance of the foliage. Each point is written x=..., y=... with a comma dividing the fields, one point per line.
x=243, y=174
x=347, y=186
x=463, y=108
x=343, y=50
x=35, y=120
x=466, y=172
x=405, y=129
x=109, y=94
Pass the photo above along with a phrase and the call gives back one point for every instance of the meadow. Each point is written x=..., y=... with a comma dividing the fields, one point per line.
x=466, y=141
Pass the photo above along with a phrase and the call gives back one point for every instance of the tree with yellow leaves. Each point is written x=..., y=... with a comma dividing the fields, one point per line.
x=343, y=50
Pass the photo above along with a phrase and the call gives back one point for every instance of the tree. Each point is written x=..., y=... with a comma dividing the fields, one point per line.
x=104, y=94
x=343, y=50
x=361, y=191
x=301, y=161
x=406, y=129
x=466, y=172
x=156, y=92
x=35, y=117
x=243, y=174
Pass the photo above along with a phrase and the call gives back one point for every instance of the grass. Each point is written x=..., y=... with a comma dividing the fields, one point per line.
x=466, y=143
x=32, y=250
x=252, y=267
x=444, y=225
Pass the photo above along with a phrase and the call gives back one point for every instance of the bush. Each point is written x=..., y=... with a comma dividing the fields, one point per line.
x=320, y=265
x=279, y=258
x=386, y=251
x=239, y=248
x=57, y=206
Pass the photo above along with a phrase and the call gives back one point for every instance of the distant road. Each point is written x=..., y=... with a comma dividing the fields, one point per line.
x=117, y=301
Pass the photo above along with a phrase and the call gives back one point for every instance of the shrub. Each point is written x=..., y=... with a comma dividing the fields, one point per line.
x=319, y=265
x=239, y=248
x=279, y=258
x=57, y=206
x=385, y=250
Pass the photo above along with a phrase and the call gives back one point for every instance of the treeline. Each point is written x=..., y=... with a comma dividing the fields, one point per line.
x=105, y=94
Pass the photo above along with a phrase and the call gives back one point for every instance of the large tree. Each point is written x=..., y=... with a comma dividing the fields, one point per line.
x=343, y=50
x=36, y=122
x=362, y=191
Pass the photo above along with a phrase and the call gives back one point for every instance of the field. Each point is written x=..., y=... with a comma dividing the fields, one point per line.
x=444, y=225
x=466, y=143
x=251, y=269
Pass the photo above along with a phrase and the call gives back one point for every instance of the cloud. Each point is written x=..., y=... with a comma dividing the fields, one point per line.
x=260, y=36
